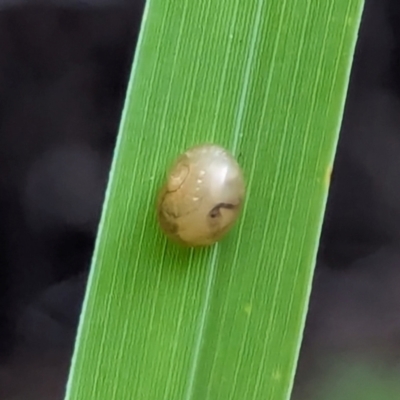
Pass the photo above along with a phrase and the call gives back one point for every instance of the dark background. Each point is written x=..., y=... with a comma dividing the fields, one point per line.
x=63, y=73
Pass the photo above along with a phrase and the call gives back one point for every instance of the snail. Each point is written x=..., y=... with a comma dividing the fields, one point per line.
x=203, y=196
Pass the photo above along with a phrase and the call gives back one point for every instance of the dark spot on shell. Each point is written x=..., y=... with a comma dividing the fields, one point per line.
x=216, y=211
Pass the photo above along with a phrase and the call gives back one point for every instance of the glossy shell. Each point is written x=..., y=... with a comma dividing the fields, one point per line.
x=203, y=196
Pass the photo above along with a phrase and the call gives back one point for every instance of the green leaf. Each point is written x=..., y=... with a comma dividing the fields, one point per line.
x=267, y=80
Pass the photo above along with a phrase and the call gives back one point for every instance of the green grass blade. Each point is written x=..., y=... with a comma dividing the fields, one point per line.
x=266, y=79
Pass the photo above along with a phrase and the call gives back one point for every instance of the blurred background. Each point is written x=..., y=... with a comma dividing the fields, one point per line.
x=64, y=67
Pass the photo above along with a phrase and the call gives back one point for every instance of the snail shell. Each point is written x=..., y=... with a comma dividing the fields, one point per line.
x=203, y=196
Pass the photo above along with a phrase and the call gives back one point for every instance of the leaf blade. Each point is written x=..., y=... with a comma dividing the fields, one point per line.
x=193, y=318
